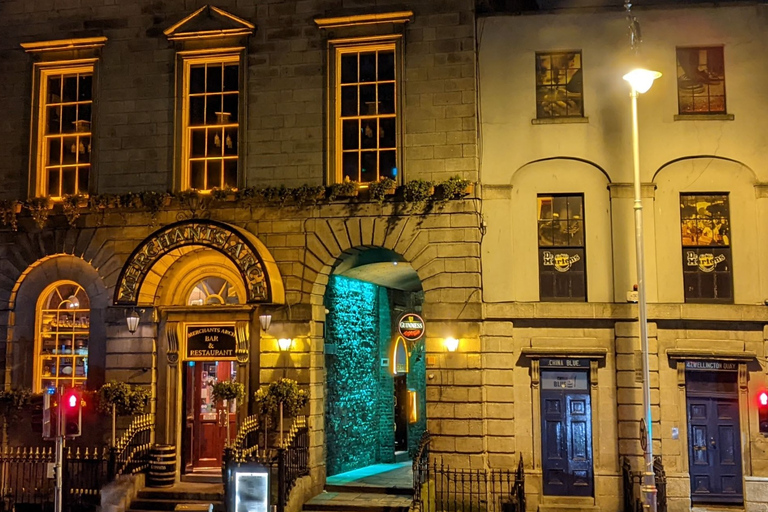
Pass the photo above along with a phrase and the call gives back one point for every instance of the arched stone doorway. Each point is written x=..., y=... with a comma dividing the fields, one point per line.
x=376, y=380
x=204, y=281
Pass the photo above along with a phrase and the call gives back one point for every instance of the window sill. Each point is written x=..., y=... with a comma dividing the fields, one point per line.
x=560, y=120
x=704, y=117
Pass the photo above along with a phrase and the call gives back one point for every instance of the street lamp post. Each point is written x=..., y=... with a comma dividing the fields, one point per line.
x=641, y=80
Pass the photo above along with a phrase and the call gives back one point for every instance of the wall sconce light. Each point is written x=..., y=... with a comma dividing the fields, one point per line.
x=451, y=344
x=265, y=321
x=285, y=344
x=132, y=319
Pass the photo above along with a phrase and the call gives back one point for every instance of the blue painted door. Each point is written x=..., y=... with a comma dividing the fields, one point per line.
x=714, y=449
x=566, y=424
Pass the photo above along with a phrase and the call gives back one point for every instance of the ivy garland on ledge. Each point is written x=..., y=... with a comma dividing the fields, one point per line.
x=418, y=193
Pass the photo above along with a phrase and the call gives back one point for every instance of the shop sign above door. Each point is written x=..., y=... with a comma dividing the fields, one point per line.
x=211, y=342
x=711, y=366
x=563, y=362
x=411, y=326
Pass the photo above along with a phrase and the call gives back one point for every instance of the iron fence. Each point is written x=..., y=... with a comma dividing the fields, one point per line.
x=633, y=480
x=440, y=488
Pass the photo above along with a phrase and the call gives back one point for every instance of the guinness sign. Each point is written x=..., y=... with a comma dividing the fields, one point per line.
x=411, y=326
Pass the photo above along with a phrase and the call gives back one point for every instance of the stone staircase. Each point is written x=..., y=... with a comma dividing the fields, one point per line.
x=187, y=493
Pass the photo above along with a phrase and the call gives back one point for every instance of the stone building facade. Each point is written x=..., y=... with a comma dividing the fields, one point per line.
x=123, y=102
x=557, y=161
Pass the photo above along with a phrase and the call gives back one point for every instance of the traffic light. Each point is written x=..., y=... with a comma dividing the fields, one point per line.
x=50, y=415
x=762, y=411
x=72, y=410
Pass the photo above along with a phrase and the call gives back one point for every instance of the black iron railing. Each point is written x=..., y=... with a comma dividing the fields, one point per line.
x=131, y=452
x=633, y=481
x=286, y=464
x=441, y=488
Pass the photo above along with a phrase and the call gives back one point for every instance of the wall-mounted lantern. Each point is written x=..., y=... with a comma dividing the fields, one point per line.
x=451, y=344
x=132, y=319
x=265, y=321
x=285, y=344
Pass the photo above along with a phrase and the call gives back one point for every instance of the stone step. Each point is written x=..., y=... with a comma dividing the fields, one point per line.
x=171, y=494
x=357, y=502
x=169, y=504
x=370, y=489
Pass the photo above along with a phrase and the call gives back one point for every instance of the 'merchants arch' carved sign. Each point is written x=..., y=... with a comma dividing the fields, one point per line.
x=230, y=241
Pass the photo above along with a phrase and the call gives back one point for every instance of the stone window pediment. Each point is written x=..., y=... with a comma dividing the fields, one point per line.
x=209, y=22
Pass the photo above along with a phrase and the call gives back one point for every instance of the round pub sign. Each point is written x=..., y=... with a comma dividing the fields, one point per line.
x=411, y=326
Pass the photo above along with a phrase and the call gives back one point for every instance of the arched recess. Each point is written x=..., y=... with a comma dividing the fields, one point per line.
x=140, y=276
x=20, y=351
x=709, y=174
x=517, y=241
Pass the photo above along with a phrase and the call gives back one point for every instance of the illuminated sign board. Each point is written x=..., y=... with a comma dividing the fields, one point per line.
x=250, y=492
x=211, y=342
x=411, y=326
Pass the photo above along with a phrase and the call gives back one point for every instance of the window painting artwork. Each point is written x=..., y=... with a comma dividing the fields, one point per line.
x=701, y=80
x=559, y=85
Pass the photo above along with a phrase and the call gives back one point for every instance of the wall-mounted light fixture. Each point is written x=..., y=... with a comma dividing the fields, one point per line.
x=285, y=344
x=451, y=344
x=132, y=319
x=265, y=321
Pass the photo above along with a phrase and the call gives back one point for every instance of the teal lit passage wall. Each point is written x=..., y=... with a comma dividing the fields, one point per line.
x=354, y=395
x=360, y=407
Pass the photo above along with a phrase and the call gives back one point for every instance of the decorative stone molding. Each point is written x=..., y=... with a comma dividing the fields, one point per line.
x=172, y=334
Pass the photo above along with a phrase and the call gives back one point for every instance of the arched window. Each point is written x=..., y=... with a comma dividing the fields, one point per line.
x=213, y=291
x=63, y=326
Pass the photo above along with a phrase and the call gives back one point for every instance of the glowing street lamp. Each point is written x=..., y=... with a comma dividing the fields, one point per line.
x=641, y=81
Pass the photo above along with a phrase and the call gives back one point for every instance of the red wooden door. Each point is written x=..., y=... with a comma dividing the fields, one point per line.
x=210, y=419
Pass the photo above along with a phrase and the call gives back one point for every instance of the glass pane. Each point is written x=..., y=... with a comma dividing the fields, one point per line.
x=576, y=232
x=196, y=79
x=350, y=166
x=84, y=150
x=54, y=183
x=368, y=67
x=349, y=68
x=386, y=98
x=367, y=100
x=230, y=142
x=214, y=78
x=545, y=233
x=369, y=168
x=230, y=173
x=213, y=109
x=387, y=65
x=388, y=164
x=70, y=89
x=68, y=118
x=54, y=151
x=197, y=110
x=368, y=133
x=213, y=175
x=231, y=108
x=349, y=101
x=350, y=131
x=54, y=89
x=560, y=233
x=197, y=174
x=231, y=81
x=84, y=88
x=54, y=120
x=84, y=115
x=197, y=147
x=82, y=180
x=68, y=181
x=215, y=137
x=387, y=134
x=70, y=150
x=545, y=208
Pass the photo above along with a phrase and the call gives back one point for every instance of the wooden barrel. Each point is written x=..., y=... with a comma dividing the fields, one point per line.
x=162, y=466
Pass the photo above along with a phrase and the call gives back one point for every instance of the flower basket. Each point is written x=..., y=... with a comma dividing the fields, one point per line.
x=344, y=189
x=228, y=390
x=381, y=189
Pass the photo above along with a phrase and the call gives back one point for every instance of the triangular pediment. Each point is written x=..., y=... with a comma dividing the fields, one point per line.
x=209, y=21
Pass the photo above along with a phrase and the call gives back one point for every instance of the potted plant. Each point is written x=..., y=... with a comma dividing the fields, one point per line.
x=9, y=211
x=121, y=399
x=280, y=399
x=224, y=194
x=418, y=191
x=71, y=204
x=307, y=194
x=230, y=391
x=154, y=202
x=455, y=187
x=382, y=188
x=346, y=188
x=279, y=194
x=40, y=209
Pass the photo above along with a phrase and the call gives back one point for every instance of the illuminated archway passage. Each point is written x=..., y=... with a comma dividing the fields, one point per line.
x=251, y=258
